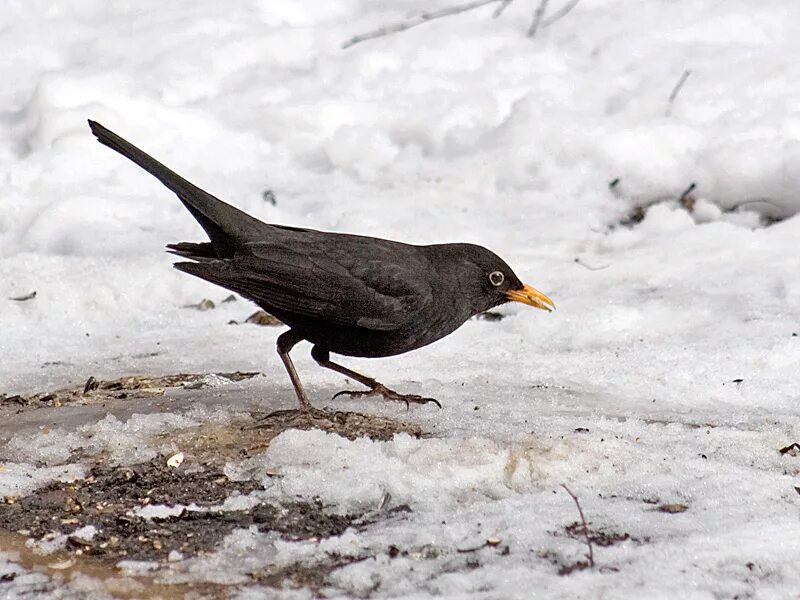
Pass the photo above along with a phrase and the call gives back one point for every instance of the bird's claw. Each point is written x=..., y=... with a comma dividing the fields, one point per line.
x=381, y=390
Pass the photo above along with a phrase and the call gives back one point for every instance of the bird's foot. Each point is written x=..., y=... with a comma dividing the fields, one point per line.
x=381, y=390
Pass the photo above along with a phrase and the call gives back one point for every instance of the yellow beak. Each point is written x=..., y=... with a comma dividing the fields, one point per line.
x=531, y=296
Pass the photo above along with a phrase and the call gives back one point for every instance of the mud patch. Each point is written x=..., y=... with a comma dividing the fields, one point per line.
x=85, y=528
x=305, y=575
x=216, y=443
x=108, y=499
x=563, y=565
x=124, y=388
x=61, y=569
x=600, y=537
x=351, y=425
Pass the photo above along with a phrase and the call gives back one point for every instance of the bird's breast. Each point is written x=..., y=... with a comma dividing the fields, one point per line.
x=423, y=328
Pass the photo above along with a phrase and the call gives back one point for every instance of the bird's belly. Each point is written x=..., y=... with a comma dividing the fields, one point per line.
x=369, y=343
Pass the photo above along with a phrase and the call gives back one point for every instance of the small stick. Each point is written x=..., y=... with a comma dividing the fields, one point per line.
x=741, y=204
x=24, y=298
x=578, y=261
x=675, y=91
x=687, y=191
x=415, y=21
x=499, y=10
x=585, y=526
x=561, y=13
x=538, y=14
x=685, y=200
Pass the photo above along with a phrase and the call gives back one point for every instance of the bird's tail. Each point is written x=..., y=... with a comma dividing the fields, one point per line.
x=226, y=226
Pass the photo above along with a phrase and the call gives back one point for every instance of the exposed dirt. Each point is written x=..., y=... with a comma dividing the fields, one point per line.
x=217, y=443
x=564, y=565
x=769, y=212
x=310, y=575
x=351, y=425
x=672, y=508
x=43, y=528
x=599, y=537
x=107, y=498
x=263, y=318
x=125, y=388
x=210, y=443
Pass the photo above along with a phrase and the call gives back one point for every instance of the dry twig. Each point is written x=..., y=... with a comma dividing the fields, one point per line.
x=739, y=205
x=590, y=556
x=676, y=90
x=538, y=14
x=578, y=261
x=419, y=20
x=559, y=14
x=539, y=22
x=686, y=199
x=499, y=10
x=24, y=298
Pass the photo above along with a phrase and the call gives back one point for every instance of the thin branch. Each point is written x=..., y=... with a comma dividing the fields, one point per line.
x=24, y=298
x=538, y=14
x=686, y=192
x=739, y=205
x=417, y=20
x=578, y=261
x=565, y=10
x=676, y=90
x=765, y=218
x=686, y=200
x=499, y=10
x=590, y=556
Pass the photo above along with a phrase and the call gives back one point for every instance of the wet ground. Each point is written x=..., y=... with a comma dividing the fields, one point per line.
x=87, y=526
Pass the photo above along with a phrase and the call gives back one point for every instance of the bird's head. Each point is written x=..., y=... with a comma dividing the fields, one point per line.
x=489, y=281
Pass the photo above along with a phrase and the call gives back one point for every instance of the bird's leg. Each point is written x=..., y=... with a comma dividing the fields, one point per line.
x=323, y=359
x=286, y=342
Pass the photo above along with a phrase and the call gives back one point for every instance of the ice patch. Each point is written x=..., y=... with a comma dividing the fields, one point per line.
x=174, y=556
x=242, y=551
x=125, y=441
x=133, y=568
x=51, y=542
x=357, y=474
x=20, y=479
x=86, y=533
x=240, y=502
x=162, y=511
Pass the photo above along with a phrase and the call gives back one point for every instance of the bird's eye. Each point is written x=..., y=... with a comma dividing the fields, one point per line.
x=496, y=278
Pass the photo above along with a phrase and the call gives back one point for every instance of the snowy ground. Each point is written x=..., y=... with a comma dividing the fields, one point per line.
x=668, y=375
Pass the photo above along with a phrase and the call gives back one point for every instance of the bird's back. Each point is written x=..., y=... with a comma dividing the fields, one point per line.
x=351, y=294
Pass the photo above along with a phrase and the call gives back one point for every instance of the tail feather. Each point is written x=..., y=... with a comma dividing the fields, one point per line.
x=226, y=226
x=217, y=272
x=202, y=252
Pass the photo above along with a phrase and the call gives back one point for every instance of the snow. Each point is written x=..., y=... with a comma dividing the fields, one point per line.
x=17, y=479
x=50, y=543
x=124, y=442
x=85, y=533
x=458, y=130
x=159, y=511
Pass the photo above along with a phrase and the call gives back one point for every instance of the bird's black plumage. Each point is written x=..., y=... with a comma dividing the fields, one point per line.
x=346, y=294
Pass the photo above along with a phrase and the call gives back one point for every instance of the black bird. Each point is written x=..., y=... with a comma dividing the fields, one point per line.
x=347, y=294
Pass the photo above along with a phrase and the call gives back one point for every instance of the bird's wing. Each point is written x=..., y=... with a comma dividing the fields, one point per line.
x=351, y=284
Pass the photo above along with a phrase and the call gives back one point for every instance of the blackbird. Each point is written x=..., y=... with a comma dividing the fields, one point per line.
x=347, y=294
